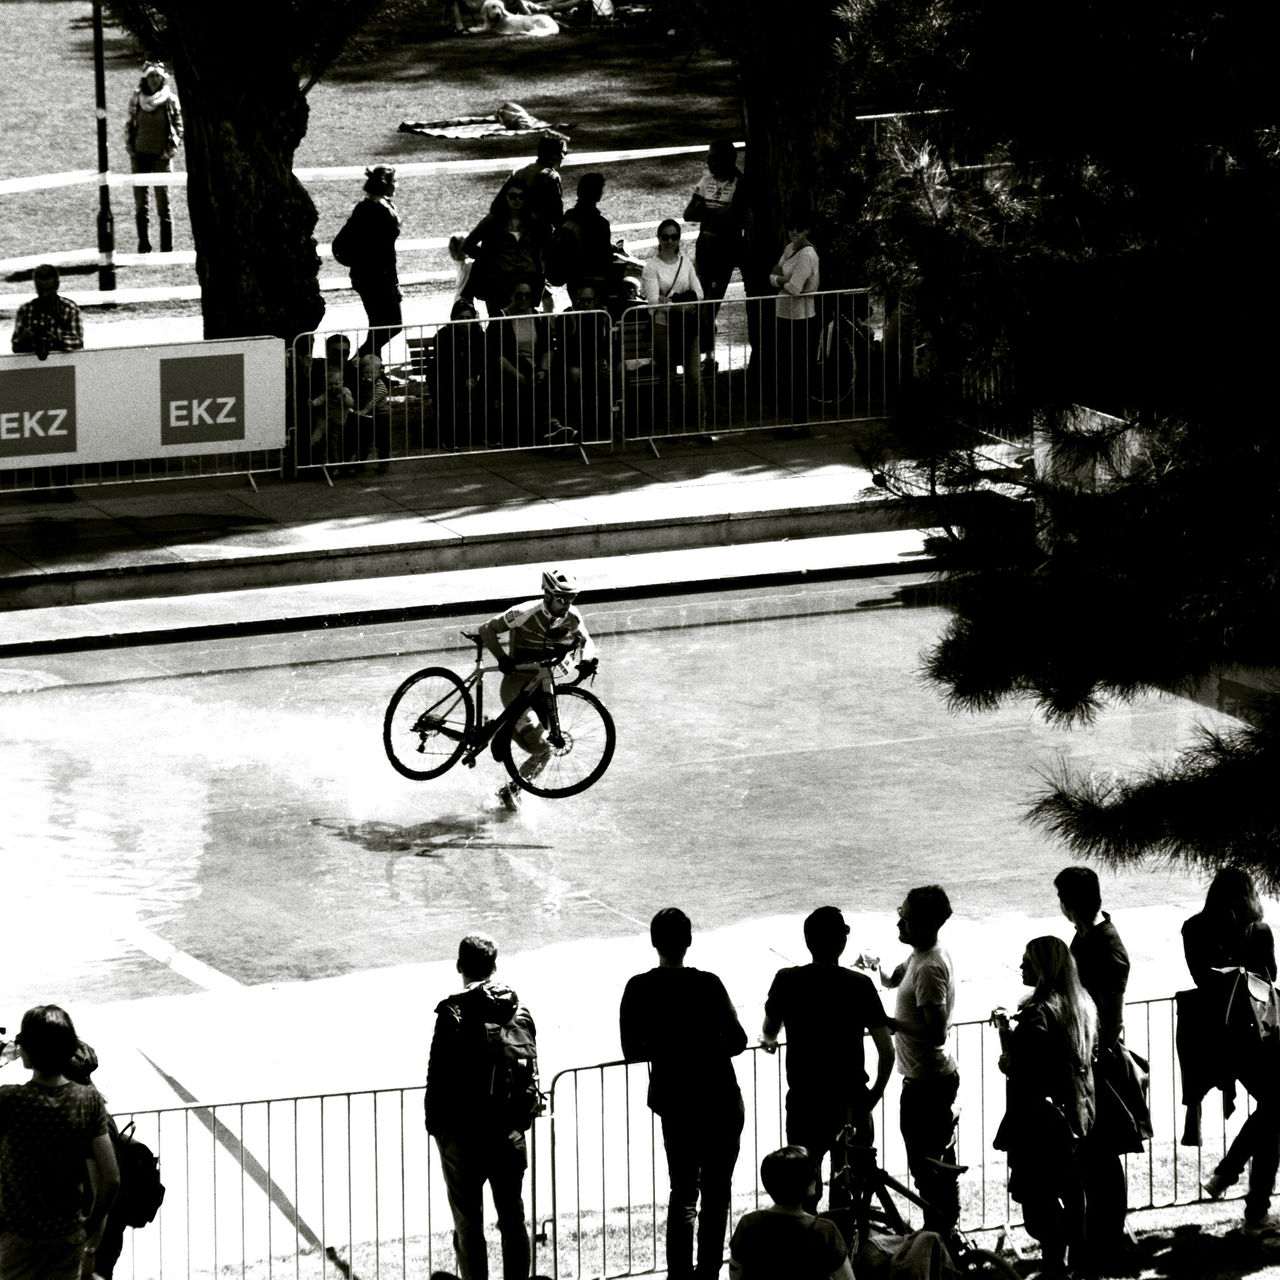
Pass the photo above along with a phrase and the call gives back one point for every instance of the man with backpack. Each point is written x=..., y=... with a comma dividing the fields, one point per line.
x=482, y=1096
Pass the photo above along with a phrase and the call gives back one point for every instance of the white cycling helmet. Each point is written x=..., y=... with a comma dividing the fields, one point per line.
x=555, y=582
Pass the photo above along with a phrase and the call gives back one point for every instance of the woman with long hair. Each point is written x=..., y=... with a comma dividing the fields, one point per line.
x=1230, y=934
x=1047, y=1054
x=507, y=245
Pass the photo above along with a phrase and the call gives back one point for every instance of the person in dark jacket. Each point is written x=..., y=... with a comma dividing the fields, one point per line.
x=475, y=1138
x=1103, y=966
x=1047, y=1056
x=370, y=234
x=507, y=245
x=681, y=1021
x=1231, y=934
x=152, y=136
x=582, y=251
x=458, y=393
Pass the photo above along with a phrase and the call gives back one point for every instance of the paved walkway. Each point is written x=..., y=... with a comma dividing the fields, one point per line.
x=119, y=564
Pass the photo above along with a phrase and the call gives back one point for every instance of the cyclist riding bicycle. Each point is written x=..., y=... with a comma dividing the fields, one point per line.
x=536, y=626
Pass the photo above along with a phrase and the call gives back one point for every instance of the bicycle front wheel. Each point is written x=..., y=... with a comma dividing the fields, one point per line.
x=428, y=723
x=571, y=764
x=982, y=1264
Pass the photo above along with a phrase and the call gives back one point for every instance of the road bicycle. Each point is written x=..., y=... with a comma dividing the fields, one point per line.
x=436, y=718
x=872, y=1207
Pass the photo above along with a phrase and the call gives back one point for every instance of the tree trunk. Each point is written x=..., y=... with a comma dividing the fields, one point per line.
x=252, y=221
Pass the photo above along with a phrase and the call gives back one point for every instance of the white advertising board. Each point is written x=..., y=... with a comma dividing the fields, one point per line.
x=121, y=404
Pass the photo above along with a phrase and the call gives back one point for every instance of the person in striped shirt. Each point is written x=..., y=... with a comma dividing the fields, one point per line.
x=536, y=626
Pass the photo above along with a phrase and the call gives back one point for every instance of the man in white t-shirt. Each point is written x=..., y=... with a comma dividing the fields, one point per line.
x=930, y=1081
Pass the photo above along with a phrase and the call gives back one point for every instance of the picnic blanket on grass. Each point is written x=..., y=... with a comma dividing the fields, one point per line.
x=511, y=117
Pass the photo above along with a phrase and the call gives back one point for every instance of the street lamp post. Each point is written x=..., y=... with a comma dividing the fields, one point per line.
x=106, y=223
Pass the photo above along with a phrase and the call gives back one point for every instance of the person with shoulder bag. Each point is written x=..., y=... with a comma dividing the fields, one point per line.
x=672, y=278
x=1231, y=954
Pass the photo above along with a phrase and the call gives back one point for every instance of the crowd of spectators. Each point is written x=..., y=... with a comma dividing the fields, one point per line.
x=1075, y=1095
x=507, y=370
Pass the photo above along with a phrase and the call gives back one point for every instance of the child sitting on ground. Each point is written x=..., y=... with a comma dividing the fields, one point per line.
x=787, y=1240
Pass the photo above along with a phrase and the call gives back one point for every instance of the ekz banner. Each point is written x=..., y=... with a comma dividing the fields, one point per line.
x=133, y=403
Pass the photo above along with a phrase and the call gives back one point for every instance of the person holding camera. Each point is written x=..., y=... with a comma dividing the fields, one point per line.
x=49, y=322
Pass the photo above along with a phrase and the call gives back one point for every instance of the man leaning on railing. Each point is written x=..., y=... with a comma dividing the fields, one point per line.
x=49, y=322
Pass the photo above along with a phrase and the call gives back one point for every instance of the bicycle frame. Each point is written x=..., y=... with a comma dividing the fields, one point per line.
x=541, y=681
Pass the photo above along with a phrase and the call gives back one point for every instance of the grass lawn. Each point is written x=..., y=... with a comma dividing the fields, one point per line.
x=619, y=88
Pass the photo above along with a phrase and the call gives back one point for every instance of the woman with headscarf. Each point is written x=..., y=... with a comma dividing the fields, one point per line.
x=366, y=245
x=1047, y=1052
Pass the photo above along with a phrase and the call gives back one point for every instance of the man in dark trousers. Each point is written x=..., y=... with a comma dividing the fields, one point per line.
x=681, y=1021
x=826, y=1011
x=1103, y=965
x=480, y=1138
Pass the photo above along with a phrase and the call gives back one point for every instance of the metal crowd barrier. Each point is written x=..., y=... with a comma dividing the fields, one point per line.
x=350, y=1184
x=699, y=368
x=507, y=383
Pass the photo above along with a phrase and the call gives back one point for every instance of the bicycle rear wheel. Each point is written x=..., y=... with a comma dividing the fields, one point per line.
x=428, y=722
x=587, y=740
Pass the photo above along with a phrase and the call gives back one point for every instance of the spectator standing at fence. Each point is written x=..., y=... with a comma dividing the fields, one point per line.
x=581, y=252
x=681, y=1021
x=786, y=1239
x=671, y=278
x=479, y=1133
x=460, y=369
x=1230, y=934
x=507, y=246
x=152, y=136
x=826, y=1011
x=49, y=322
x=52, y=1133
x=366, y=246
x=1102, y=964
x=328, y=429
x=926, y=995
x=796, y=278
x=716, y=206
x=1046, y=1054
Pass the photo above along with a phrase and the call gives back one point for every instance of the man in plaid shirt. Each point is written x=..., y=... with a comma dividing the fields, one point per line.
x=49, y=322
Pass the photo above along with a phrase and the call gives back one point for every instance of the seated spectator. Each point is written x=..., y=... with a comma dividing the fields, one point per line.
x=337, y=354
x=518, y=351
x=322, y=436
x=786, y=1239
x=49, y=322
x=507, y=247
x=581, y=252
x=370, y=425
x=671, y=278
x=580, y=365
x=459, y=379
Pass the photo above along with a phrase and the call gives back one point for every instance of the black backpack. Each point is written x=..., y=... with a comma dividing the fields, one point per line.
x=511, y=1068
x=141, y=1191
x=343, y=247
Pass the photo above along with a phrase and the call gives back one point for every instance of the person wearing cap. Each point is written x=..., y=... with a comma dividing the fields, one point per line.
x=536, y=626
x=826, y=1011
x=370, y=235
x=152, y=136
x=49, y=322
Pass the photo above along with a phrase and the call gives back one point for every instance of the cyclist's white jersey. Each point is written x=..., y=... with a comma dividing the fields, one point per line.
x=533, y=629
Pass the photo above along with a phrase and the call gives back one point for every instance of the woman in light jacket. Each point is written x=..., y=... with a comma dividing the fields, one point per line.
x=796, y=278
x=671, y=277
